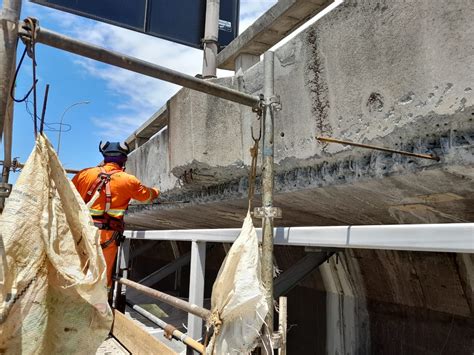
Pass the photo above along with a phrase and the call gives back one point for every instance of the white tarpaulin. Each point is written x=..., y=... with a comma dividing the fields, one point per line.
x=238, y=297
x=53, y=298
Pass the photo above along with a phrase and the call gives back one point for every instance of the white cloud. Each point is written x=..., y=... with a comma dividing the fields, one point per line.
x=118, y=127
x=141, y=95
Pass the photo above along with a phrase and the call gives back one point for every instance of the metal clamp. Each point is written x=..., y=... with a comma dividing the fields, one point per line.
x=267, y=212
x=275, y=102
x=5, y=189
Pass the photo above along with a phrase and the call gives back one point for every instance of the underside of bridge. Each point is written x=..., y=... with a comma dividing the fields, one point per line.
x=396, y=74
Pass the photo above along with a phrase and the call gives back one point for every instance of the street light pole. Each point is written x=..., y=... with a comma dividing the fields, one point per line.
x=61, y=121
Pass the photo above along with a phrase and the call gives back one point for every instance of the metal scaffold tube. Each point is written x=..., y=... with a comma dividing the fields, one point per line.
x=120, y=60
x=171, y=300
x=211, y=34
x=267, y=188
x=169, y=329
x=9, y=15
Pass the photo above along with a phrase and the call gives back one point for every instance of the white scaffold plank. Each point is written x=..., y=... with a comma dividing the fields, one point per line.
x=448, y=237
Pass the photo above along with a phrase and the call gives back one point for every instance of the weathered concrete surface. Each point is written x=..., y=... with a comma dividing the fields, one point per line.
x=269, y=29
x=398, y=74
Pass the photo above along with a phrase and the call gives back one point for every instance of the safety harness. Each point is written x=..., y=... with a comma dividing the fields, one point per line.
x=105, y=221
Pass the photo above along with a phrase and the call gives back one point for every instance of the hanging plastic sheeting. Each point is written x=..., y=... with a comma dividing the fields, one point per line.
x=53, y=296
x=238, y=302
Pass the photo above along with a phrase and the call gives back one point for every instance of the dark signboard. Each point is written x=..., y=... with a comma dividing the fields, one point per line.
x=180, y=21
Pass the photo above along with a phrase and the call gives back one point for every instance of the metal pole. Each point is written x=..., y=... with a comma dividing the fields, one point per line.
x=171, y=300
x=140, y=66
x=169, y=329
x=121, y=269
x=196, y=286
x=282, y=324
x=9, y=16
x=210, y=40
x=21, y=166
x=267, y=188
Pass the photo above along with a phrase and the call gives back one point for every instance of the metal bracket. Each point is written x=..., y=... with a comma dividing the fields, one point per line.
x=5, y=189
x=258, y=108
x=267, y=212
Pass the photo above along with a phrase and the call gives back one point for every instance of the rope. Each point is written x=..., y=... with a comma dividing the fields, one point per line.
x=253, y=165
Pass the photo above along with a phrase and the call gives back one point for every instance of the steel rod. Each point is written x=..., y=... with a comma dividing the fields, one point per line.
x=171, y=300
x=43, y=113
x=382, y=149
x=103, y=55
x=169, y=328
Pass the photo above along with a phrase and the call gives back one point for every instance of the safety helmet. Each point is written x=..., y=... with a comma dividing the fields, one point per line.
x=114, y=149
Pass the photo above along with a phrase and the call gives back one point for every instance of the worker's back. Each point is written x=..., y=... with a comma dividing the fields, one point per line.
x=123, y=188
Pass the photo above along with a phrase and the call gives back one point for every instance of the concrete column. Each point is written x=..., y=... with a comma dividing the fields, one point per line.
x=211, y=35
x=196, y=287
x=244, y=61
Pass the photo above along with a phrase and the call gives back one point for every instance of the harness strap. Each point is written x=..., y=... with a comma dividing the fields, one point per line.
x=108, y=195
x=116, y=237
x=102, y=179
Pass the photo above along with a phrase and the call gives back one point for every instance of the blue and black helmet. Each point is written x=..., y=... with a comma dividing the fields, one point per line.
x=114, y=149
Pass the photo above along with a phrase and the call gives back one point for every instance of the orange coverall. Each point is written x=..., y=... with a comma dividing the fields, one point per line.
x=123, y=188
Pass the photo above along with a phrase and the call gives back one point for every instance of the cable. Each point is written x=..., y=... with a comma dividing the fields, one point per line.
x=14, y=81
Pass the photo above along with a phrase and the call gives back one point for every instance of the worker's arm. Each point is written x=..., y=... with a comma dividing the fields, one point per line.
x=77, y=180
x=142, y=193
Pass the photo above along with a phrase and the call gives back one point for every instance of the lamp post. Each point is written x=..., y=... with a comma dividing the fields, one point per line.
x=61, y=121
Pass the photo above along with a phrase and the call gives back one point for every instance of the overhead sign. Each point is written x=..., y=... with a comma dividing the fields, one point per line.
x=180, y=21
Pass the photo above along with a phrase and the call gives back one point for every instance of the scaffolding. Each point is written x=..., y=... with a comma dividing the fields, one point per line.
x=455, y=237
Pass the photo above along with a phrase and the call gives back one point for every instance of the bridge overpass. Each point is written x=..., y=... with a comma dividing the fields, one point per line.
x=395, y=74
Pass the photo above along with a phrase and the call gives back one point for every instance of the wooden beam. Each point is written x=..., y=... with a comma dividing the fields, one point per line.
x=135, y=339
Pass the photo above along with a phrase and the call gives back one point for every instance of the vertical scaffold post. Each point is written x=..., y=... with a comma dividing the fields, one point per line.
x=9, y=16
x=196, y=288
x=122, y=270
x=210, y=40
x=267, y=187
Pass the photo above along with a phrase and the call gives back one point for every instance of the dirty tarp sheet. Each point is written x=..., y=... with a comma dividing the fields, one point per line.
x=53, y=297
x=238, y=297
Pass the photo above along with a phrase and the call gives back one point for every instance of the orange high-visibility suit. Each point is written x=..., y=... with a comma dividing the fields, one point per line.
x=123, y=188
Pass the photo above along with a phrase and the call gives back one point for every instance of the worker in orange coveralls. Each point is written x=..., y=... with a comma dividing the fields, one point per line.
x=107, y=190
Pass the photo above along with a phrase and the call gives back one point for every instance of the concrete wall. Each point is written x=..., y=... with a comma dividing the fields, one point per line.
x=398, y=73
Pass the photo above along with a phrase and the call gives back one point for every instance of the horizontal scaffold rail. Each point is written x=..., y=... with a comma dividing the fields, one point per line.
x=124, y=61
x=168, y=299
x=449, y=237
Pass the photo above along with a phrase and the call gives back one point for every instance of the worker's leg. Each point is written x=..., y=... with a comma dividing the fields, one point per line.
x=110, y=253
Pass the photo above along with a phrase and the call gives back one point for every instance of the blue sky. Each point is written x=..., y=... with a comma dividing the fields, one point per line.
x=119, y=101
